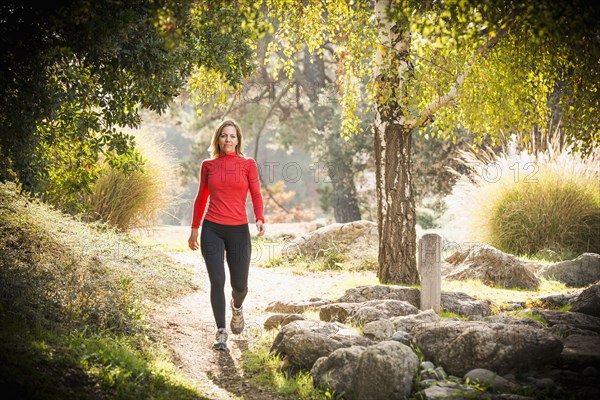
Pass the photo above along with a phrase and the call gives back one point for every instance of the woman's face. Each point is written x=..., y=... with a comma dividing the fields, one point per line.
x=228, y=139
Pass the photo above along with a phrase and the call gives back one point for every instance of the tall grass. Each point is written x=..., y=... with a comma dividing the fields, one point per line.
x=134, y=199
x=531, y=203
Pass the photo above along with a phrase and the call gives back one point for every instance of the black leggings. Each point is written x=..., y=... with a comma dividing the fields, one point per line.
x=234, y=240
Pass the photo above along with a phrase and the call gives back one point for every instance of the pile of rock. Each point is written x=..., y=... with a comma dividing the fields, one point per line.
x=367, y=345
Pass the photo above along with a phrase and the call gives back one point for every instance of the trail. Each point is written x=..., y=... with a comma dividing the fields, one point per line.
x=188, y=325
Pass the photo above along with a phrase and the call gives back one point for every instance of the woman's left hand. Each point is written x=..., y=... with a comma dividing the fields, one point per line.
x=261, y=228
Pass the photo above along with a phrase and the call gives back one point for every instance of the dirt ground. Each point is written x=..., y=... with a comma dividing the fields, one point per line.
x=188, y=324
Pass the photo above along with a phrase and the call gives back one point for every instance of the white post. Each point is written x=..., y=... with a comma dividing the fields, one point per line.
x=430, y=270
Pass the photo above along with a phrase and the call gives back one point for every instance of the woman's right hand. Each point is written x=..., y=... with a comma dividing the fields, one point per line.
x=193, y=240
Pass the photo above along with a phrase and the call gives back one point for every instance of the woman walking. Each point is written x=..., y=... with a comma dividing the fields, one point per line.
x=226, y=178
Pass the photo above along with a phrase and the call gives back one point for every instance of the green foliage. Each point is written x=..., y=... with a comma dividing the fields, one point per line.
x=75, y=73
x=531, y=204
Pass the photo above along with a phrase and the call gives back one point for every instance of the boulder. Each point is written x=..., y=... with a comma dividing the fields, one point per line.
x=365, y=312
x=582, y=271
x=557, y=300
x=356, y=240
x=279, y=320
x=449, y=391
x=383, y=371
x=457, y=302
x=337, y=312
x=569, y=318
x=337, y=370
x=493, y=267
x=409, y=322
x=588, y=301
x=386, y=370
x=580, y=351
x=381, y=329
x=296, y=307
x=460, y=346
x=490, y=378
x=505, y=319
x=364, y=293
x=463, y=304
x=381, y=309
x=301, y=343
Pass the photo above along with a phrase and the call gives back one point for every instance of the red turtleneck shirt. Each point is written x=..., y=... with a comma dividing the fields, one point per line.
x=227, y=180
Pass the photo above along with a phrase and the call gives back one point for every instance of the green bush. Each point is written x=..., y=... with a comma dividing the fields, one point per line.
x=532, y=204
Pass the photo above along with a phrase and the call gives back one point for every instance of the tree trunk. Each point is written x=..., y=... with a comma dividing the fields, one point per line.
x=395, y=202
x=395, y=205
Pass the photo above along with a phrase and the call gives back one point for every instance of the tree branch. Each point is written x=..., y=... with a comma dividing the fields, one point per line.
x=260, y=131
x=425, y=117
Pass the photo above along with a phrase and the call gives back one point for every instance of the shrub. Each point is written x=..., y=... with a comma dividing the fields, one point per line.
x=132, y=199
x=528, y=204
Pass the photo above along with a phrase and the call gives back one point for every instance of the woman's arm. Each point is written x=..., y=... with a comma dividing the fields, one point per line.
x=256, y=196
x=199, y=206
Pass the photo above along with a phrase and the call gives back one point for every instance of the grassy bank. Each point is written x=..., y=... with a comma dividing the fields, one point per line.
x=74, y=306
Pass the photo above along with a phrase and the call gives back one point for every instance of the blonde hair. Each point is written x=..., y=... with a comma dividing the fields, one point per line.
x=215, y=151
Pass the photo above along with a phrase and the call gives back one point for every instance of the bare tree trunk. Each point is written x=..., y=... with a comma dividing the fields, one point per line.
x=393, y=139
x=395, y=205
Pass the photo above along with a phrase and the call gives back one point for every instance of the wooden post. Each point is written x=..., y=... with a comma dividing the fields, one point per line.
x=430, y=270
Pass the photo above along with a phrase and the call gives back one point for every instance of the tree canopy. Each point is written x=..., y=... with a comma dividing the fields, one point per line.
x=73, y=72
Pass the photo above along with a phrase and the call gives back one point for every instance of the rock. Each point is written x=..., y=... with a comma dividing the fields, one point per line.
x=463, y=304
x=402, y=337
x=590, y=372
x=588, y=301
x=477, y=344
x=408, y=322
x=505, y=319
x=379, y=330
x=373, y=310
x=337, y=370
x=493, y=267
x=356, y=240
x=459, y=303
x=383, y=371
x=557, y=300
x=582, y=351
x=449, y=391
x=563, y=331
x=582, y=271
x=364, y=293
x=569, y=318
x=303, y=342
x=386, y=370
x=427, y=365
x=296, y=307
x=339, y=312
x=544, y=383
x=487, y=377
x=278, y=320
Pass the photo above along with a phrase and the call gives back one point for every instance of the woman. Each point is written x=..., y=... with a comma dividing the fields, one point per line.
x=226, y=178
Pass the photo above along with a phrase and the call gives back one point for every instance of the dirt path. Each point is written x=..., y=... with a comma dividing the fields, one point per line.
x=189, y=328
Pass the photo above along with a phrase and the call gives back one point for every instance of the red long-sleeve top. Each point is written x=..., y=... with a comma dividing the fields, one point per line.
x=227, y=180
